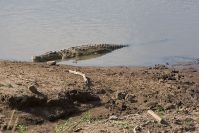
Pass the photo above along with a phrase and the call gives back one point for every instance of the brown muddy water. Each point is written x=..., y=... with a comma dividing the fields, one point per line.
x=157, y=31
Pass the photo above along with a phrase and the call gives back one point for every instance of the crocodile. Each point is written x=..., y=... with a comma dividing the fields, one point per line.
x=78, y=51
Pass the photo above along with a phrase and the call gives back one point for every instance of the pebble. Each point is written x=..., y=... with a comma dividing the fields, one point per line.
x=51, y=62
x=121, y=105
x=18, y=83
x=130, y=98
x=169, y=106
x=113, y=117
x=77, y=129
x=121, y=95
x=33, y=89
x=137, y=129
x=2, y=116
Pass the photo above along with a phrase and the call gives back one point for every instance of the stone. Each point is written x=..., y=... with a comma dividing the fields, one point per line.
x=121, y=95
x=137, y=129
x=2, y=116
x=113, y=117
x=33, y=89
x=169, y=106
x=121, y=105
x=130, y=98
x=51, y=62
x=18, y=83
x=100, y=91
x=77, y=129
x=151, y=105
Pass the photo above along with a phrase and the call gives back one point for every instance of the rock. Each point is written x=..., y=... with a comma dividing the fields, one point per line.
x=121, y=105
x=18, y=83
x=177, y=122
x=100, y=91
x=51, y=62
x=160, y=67
x=31, y=120
x=33, y=89
x=113, y=117
x=130, y=98
x=169, y=106
x=77, y=129
x=121, y=95
x=151, y=105
x=103, y=131
x=2, y=116
x=137, y=129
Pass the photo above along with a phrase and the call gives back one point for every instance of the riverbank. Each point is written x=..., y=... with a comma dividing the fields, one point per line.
x=47, y=98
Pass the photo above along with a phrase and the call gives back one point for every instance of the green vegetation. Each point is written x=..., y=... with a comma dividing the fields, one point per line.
x=160, y=110
x=72, y=123
x=87, y=117
x=68, y=125
x=21, y=128
x=122, y=124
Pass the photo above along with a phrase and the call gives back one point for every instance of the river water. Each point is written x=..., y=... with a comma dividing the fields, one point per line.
x=158, y=31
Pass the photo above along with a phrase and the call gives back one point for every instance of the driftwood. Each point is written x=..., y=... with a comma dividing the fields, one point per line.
x=81, y=74
x=15, y=124
x=155, y=116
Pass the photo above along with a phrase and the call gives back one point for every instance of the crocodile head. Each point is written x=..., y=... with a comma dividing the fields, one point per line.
x=47, y=57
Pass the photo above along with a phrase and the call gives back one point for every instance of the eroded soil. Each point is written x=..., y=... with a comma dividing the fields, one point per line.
x=50, y=99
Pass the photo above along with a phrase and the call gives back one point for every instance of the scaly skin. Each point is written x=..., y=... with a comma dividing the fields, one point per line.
x=79, y=51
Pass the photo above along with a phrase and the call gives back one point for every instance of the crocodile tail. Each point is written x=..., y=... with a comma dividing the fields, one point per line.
x=115, y=46
x=124, y=45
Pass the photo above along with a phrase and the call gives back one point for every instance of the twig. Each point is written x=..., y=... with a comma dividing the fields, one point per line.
x=155, y=116
x=15, y=124
x=9, y=123
x=81, y=74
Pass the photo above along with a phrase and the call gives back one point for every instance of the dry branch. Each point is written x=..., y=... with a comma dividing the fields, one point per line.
x=81, y=74
x=11, y=118
x=155, y=116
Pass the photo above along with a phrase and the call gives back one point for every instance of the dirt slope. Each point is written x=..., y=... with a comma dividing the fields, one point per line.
x=50, y=99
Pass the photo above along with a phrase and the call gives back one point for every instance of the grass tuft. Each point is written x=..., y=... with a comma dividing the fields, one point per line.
x=71, y=123
x=21, y=128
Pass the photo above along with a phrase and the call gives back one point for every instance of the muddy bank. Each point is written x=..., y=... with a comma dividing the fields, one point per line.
x=117, y=99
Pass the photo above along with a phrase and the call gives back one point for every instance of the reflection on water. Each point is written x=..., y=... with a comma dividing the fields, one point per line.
x=77, y=60
x=88, y=57
x=156, y=30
